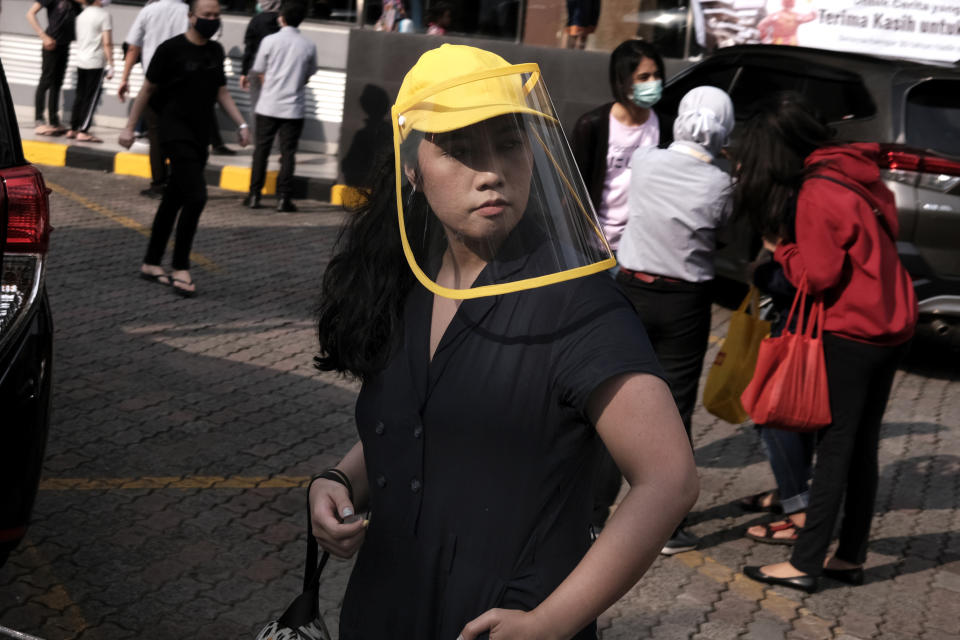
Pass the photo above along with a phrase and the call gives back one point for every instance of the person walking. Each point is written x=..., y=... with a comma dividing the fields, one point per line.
x=260, y=26
x=184, y=79
x=678, y=200
x=94, y=58
x=603, y=142
x=841, y=246
x=156, y=23
x=285, y=60
x=56, y=39
x=485, y=393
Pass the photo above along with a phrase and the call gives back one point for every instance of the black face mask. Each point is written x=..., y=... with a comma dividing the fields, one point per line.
x=207, y=27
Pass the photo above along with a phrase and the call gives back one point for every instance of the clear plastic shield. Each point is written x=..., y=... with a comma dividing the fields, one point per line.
x=489, y=198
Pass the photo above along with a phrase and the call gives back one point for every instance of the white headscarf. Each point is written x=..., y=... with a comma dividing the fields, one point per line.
x=705, y=118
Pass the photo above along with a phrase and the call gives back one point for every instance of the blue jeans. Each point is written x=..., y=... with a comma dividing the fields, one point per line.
x=791, y=457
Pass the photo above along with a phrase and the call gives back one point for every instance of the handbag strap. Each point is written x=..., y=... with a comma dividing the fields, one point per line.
x=860, y=191
x=312, y=569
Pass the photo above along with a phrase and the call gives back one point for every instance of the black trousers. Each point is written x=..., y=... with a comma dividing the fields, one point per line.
x=676, y=316
x=89, y=83
x=859, y=377
x=182, y=203
x=52, y=69
x=158, y=161
x=288, y=131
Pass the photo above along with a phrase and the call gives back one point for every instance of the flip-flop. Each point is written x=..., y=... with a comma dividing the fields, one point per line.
x=159, y=278
x=180, y=291
x=71, y=134
x=770, y=529
x=89, y=138
x=44, y=130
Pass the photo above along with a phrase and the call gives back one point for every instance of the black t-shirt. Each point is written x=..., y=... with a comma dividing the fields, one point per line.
x=481, y=461
x=188, y=78
x=61, y=20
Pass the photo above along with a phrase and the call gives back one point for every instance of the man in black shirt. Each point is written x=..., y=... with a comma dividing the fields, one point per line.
x=61, y=17
x=184, y=80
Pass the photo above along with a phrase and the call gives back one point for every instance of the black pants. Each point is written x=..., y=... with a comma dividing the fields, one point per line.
x=89, y=83
x=158, y=161
x=53, y=68
x=859, y=377
x=288, y=132
x=183, y=202
x=676, y=316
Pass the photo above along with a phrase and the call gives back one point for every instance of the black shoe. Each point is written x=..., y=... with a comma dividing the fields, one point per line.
x=803, y=583
x=285, y=204
x=680, y=541
x=152, y=192
x=847, y=576
x=252, y=200
x=223, y=150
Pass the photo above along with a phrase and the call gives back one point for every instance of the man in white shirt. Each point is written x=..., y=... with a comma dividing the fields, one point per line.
x=285, y=60
x=157, y=22
x=94, y=55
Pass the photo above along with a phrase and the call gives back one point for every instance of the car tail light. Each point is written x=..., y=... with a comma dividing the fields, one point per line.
x=920, y=168
x=27, y=239
x=28, y=211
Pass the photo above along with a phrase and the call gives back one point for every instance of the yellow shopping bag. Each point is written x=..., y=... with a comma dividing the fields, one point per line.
x=733, y=367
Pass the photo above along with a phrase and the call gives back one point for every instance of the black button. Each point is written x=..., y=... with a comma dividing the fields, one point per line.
x=417, y=431
x=415, y=485
x=379, y=429
x=381, y=482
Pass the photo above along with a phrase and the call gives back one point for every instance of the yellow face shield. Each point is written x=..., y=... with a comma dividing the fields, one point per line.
x=484, y=173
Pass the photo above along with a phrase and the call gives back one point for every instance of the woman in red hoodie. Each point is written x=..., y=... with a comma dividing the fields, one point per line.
x=832, y=224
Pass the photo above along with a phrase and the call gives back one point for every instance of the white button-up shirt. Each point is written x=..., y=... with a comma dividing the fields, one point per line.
x=157, y=22
x=287, y=60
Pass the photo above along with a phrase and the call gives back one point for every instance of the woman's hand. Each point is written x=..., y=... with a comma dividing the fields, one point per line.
x=332, y=515
x=507, y=624
x=49, y=43
x=126, y=138
x=770, y=243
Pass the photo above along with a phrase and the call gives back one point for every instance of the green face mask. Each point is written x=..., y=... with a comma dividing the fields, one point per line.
x=646, y=94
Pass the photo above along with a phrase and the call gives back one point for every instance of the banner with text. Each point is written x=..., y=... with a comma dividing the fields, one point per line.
x=912, y=29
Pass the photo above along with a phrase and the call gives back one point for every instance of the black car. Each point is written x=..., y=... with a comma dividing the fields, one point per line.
x=26, y=329
x=911, y=108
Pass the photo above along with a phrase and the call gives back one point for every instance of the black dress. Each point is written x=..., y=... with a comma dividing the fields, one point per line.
x=480, y=462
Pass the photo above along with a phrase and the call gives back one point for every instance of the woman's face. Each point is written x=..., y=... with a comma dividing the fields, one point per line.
x=476, y=179
x=645, y=72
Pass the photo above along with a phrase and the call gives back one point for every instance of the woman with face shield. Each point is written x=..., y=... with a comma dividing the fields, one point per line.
x=469, y=296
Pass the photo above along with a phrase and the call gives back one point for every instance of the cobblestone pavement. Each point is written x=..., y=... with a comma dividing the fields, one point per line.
x=183, y=430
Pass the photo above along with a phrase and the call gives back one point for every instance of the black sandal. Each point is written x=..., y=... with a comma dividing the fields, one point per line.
x=181, y=291
x=159, y=278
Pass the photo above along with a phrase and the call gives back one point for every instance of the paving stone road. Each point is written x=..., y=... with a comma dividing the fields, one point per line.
x=183, y=431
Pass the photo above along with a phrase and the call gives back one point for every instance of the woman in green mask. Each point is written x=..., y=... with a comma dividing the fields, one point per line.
x=603, y=142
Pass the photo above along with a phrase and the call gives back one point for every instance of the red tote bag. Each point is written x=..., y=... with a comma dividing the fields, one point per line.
x=789, y=386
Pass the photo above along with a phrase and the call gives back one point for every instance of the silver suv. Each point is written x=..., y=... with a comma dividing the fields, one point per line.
x=911, y=108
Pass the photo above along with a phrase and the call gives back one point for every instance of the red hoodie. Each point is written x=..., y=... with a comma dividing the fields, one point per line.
x=847, y=254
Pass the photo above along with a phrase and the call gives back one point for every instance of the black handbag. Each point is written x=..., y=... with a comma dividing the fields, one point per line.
x=301, y=620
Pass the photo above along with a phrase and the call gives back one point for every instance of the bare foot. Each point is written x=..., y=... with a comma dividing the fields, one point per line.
x=782, y=570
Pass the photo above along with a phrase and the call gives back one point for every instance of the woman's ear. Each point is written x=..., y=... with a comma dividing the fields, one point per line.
x=412, y=176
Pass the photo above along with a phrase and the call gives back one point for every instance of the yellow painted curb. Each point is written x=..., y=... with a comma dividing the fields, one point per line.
x=48, y=153
x=344, y=196
x=238, y=179
x=132, y=164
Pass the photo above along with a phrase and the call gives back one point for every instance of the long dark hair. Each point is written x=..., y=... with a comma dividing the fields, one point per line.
x=771, y=148
x=366, y=283
x=624, y=61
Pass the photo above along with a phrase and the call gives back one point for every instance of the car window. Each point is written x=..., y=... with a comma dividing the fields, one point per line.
x=838, y=94
x=711, y=75
x=11, y=153
x=933, y=116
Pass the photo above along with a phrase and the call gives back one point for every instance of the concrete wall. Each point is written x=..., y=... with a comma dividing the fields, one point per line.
x=20, y=52
x=577, y=81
